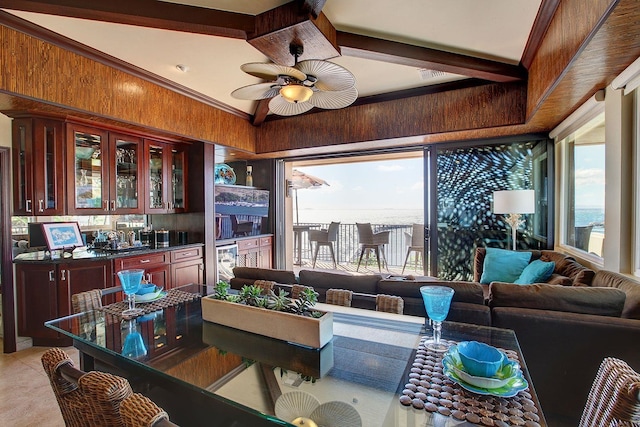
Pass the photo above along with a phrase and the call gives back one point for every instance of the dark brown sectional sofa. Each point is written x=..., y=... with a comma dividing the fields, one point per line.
x=564, y=331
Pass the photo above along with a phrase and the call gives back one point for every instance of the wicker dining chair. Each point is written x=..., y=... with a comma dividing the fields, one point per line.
x=138, y=410
x=296, y=290
x=265, y=285
x=389, y=303
x=85, y=399
x=614, y=399
x=339, y=297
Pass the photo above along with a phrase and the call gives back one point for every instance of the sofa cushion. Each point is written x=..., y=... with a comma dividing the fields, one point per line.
x=569, y=267
x=478, y=261
x=559, y=280
x=501, y=265
x=542, y=296
x=318, y=280
x=278, y=276
x=469, y=292
x=630, y=287
x=537, y=271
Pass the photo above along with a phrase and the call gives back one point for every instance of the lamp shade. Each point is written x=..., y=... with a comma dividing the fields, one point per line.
x=296, y=93
x=514, y=201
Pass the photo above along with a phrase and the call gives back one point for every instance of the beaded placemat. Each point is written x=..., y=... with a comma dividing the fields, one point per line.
x=431, y=390
x=174, y=297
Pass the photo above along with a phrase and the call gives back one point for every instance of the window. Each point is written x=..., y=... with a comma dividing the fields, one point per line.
x=584, y=190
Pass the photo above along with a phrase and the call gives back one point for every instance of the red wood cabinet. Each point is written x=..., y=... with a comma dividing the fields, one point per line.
x=45, y=290
x=38, y=165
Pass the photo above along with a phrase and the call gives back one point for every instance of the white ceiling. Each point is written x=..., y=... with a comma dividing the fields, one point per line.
x=489, y=29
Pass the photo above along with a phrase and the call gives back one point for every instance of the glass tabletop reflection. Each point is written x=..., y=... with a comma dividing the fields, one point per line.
x=363, y=369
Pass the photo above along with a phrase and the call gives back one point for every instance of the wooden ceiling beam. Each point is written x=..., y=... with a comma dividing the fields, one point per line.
x=144, y=13
x=262, y=109
x=421, y=57
x=292, y=23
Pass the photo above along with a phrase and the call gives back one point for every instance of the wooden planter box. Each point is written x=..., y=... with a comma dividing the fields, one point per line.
x=308, y=331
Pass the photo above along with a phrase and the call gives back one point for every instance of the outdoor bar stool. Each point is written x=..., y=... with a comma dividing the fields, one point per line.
x=416, y=239
x=614, y=398
x=325, y=238
x=372, y=242
x=138, y=410
x=389, y=304
x=339, y=297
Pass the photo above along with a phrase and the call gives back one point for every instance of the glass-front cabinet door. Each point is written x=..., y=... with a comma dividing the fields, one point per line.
x=178, y=179
x=166, y=177
x=156, y=198
x=87, y=170
x=126, y=181
x=38, y=159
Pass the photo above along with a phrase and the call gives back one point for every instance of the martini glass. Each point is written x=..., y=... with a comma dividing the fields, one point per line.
x=133, y=346
x=437, y=300
x=130, y=281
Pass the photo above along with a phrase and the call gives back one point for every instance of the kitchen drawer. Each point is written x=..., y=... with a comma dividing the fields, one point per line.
x=248, y=244
x=265, y=241
x=142, y=261
x=186, y=254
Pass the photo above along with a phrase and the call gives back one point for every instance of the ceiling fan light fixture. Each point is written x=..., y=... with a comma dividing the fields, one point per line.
x=295, y=93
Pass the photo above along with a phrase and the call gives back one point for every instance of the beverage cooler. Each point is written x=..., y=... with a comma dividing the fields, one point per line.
x=227, y=258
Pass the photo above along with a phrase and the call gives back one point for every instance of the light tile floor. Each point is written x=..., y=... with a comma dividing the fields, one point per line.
x=26, y=398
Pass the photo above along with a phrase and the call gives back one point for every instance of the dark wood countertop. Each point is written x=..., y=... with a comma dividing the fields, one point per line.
x=84, y=254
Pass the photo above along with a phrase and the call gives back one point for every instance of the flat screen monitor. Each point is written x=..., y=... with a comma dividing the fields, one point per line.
x=36, y=236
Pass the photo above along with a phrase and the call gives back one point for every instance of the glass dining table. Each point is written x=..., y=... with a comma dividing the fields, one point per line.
x=374, y=371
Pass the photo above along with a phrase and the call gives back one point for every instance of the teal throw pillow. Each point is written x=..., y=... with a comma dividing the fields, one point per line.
x=501, y=265
x=536, y=272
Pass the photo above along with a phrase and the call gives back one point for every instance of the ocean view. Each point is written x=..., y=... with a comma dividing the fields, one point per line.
x=584, y=216
x=351, y=216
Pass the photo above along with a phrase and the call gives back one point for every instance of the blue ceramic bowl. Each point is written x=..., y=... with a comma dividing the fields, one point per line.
x=146, y=288
x=479, y=359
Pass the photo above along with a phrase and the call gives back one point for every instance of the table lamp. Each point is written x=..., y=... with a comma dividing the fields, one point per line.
x=514, y=203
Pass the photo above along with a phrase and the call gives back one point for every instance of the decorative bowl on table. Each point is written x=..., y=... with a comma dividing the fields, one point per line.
x=508, y=370
x=149, y=292
x=480, y=359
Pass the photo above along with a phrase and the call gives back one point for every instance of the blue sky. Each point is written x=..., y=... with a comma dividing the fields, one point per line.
x=366, y=185
x=589, y=176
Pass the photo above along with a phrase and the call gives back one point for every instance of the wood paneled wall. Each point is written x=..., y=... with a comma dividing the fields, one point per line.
x=32, y=68
x=469, y=108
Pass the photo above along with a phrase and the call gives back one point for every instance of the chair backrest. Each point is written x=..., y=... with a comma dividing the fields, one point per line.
x=296, y=290
x=85, y=399
x=389, y=303
x=365, y=233
x=334, y=227
x=417, y=235
x=86, y=301
x=265, y=285
x=614, y=398
x=138, y=410
x=339, y=297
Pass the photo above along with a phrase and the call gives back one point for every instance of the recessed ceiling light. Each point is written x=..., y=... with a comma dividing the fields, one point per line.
x=182, y=67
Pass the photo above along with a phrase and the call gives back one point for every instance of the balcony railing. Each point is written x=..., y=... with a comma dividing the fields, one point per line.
x=347, y=247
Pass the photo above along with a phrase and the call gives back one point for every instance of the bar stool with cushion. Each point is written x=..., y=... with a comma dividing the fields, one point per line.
x=85, y=399
x=416, y=239
x=389, y=303
x=325, y=238
x=339, y=297
x=138, y=410
x=614, y=399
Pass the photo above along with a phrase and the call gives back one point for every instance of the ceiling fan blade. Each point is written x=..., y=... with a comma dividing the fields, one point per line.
x=330, y=76
x=332, y=100
x=282, y=107
x=257, y=91
x=271, y=71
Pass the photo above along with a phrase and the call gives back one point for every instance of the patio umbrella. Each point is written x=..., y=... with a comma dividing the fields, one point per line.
x=301, y=180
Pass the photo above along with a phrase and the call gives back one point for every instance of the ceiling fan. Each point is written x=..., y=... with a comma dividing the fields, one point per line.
x=295, y=90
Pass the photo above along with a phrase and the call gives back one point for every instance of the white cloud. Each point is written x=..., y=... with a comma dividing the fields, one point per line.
x=586, y=177
x=390, y=168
